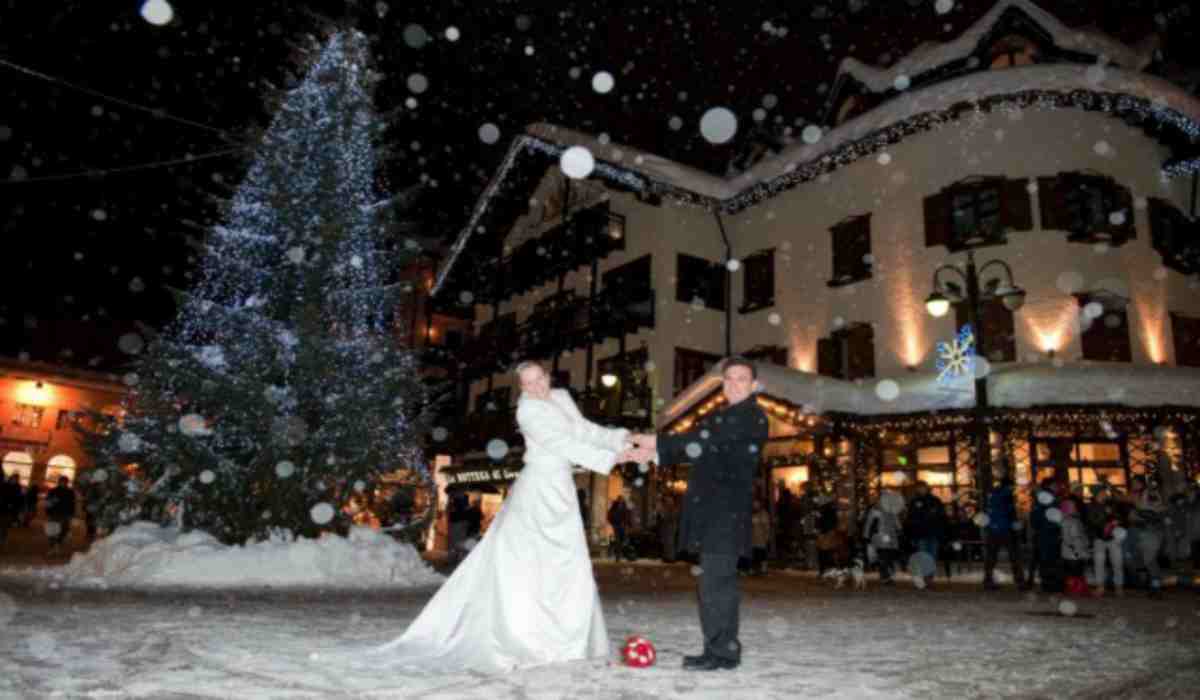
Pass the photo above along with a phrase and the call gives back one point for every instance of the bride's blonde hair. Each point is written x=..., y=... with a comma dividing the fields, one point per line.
x=522, y=366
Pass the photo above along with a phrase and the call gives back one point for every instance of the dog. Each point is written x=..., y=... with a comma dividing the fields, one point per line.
x=855, y=572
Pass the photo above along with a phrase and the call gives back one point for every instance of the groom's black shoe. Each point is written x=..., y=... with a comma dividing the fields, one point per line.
x=691, y=662
x=715, y=663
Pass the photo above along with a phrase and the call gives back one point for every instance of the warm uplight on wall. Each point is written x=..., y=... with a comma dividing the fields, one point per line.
x=1151, y=317
x=1050, y=324
x=34, y=393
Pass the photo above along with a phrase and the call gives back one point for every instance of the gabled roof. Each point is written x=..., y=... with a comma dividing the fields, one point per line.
x=932, y=55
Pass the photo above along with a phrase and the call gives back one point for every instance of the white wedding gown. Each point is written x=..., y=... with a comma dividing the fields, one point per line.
x=525, y=595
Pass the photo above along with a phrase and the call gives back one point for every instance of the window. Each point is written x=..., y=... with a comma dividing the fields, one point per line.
x=997, y=328
x=1082, y=461
x=851, y=250
x=1175, y=236
x=690, y=365
x=1013, y=50
x=1104, y=327
x=627, y=301
x=848, y=353
x=59, y=465
x=1093, y=208
x=698, y=280
x=758, y=278
x=976, y=212
x=28, y=416
x=905, y=464
x=66, y=419
x=1186, y=330
x=630, y=395
x=19, y=463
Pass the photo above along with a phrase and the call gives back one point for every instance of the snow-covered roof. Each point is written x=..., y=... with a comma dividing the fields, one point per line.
x=931, y=55
x=1017, y=385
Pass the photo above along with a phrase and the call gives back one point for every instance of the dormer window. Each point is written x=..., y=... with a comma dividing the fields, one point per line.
x=1013, y=50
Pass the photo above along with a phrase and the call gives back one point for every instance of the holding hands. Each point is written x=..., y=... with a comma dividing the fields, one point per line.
x=641, y=449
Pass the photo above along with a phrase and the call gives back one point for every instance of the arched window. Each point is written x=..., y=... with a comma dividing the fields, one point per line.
x=848, y=109
x=60, y=465
x=1013, y=50
x=19, y=463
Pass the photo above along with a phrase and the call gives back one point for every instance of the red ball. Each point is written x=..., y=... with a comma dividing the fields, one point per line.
x=638, y=652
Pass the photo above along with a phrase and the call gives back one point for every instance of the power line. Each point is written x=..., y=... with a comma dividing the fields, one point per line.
x=160, y=113
x=125, y=169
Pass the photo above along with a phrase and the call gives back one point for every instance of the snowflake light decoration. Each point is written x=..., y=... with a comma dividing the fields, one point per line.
x=956, y=357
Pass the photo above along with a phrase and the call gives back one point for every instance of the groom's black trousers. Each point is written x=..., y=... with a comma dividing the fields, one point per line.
x=719, y=600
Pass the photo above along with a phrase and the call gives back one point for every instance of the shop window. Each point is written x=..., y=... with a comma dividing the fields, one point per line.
x=1091, y=207
x=848, y=353
x=758, y=279
x=997, y=327
x=904, y=466
x=1104, y=325
x=1175, y=236
x=60, y=465
x=28, y=416
x=852, y=260
x=976, y=212
x=1186, y=330
x=19, y=463
x=698, y=280
x=1085, y=462
x=690, y=365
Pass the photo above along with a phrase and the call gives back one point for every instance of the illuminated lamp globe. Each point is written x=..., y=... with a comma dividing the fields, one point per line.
x=608, y=379
x=1013, y=298
x=937, y=304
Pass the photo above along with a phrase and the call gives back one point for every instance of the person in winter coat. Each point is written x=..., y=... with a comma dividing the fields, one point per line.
x=1194, y=524
x=926, y=522
x=1105, y=524
x=1000, y=531
x=60, y=508
x=882, y=532
x=1176, y=543
x=1147, y=525
x=618, y=520
x=827, y=534
x=11, y=503
x=668, y=526
x=1047, y=538
x=32, y=495
x=1076, y=549
x=725, y=451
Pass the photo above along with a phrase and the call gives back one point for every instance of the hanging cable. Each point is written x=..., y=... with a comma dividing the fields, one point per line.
x=125, y=169
x=161, y=114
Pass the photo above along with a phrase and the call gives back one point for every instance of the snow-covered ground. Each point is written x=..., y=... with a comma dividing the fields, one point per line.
x=802, y=639
x=144, y=555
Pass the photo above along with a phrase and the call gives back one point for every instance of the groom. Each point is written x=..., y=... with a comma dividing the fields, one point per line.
x=724, y=450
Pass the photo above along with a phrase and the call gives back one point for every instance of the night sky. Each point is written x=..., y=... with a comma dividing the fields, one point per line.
x=95, y=227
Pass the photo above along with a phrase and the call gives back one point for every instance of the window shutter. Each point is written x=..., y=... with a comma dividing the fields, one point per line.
x=1016, y=209
x=829, y=357
x=1052, y=203
x=1186, y=331
x=860, y=346
x=999, y=334
x=937, y=219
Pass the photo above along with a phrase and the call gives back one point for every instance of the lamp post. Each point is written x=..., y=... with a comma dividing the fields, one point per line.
x=938, y=304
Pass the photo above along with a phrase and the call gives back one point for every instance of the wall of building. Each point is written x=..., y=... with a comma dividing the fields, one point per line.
x=48, y=440
x=1017, y=144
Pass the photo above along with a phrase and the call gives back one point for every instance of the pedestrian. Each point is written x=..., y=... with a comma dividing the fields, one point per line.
x=1045, y=522
x=926, y=524
x=1104, y=525
x=618, y=520
x=474, y=518
x=725, y=450
x=457, y=521
x=60, y=509
x=668, y=526
x=11, y=503
x=760, y=522
x=32, y=497
x=882, y=532
x=1194, y=525
x=1076, y=549
x=1147, y=525
x=827, y=534
x=1000, y=533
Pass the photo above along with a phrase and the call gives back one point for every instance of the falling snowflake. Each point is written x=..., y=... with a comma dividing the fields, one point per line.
x=957, y=357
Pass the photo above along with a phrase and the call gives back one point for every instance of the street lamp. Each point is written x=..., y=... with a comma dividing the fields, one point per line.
x=938, y=304
x=608, y=379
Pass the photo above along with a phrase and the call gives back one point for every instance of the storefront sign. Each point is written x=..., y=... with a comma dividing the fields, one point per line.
x=481, y=476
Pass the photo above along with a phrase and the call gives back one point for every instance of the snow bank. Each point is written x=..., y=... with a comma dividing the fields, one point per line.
x=145, y=555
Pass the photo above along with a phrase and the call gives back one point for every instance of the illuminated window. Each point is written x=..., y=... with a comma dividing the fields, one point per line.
x=60, y=465
x=28, y=416
x=19, y=463
x=1013, y=50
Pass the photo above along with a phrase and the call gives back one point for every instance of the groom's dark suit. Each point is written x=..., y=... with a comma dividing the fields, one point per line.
x=724, y=450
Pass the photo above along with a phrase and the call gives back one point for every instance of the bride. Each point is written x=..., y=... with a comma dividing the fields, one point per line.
x=525, y=595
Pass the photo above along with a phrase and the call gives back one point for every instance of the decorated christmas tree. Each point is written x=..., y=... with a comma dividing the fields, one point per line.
x=280, y=393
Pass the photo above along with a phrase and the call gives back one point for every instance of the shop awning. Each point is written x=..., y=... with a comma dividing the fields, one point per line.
x=1017, y=385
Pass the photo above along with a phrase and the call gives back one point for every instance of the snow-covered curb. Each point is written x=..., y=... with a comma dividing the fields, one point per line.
x=146, y=556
